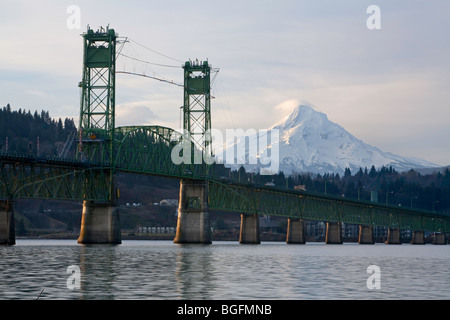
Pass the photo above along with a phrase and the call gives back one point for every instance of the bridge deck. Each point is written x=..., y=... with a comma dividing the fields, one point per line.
x=27, y=176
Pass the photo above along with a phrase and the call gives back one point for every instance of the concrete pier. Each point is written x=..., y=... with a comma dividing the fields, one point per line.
x=249, y=233
x=100, y=224
x=334, y=233
x=393, y=236
x=296, y=231
x=438, y=238
x=418, y=237
x=193, y=224
x=7, y=232
x=365, y=235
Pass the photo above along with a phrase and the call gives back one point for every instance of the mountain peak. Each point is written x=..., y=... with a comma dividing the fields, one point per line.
x=309, y=142
x=300, y=115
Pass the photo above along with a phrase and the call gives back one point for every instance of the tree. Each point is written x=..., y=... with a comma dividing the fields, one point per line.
x=242, y=174
x=22, y=128
x=373, y=172
x=59, y=131
x=347, y=172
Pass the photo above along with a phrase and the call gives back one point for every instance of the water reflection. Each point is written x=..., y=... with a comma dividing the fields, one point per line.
x=97, y=264
x=194, y=272
x=164, y=270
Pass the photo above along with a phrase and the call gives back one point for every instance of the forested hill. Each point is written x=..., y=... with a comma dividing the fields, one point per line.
x=20, y=131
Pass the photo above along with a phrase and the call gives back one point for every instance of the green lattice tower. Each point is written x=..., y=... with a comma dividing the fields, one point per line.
x=97, y=110
x=197, y=104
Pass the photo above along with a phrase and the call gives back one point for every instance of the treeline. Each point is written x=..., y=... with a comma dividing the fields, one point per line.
x=386, y=185
x=37, y=133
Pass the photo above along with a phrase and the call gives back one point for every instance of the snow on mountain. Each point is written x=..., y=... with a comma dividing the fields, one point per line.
x=309, y=142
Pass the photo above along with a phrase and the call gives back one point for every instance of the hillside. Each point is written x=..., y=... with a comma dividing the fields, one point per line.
x=37, y=133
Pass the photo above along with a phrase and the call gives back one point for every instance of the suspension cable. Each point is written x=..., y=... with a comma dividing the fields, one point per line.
x=148, y=62
x=151, y=77
x=161, y=54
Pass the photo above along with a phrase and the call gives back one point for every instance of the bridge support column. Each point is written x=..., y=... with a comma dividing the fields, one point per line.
x=249, y=233
x=100, y=224
x=7, y=232
x=334, y=233
x=296, y=232
x=365, y=235
x=193, y=224
x=418, y=237
x=438, y=238
x=393, y=236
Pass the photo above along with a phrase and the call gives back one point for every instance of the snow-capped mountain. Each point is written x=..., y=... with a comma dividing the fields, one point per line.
x=309, y=142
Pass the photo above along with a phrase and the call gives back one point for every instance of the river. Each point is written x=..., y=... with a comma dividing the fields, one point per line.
x=141, y=269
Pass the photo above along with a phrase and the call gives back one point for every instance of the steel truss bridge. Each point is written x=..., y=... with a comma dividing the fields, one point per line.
x=104, y=150
x=147, y=150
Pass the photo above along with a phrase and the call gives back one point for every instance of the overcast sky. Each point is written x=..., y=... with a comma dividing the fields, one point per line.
x=389, y=87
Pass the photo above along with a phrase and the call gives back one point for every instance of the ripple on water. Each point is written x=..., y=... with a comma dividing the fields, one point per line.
x=223, y=270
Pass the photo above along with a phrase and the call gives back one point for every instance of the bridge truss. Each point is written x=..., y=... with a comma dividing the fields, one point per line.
x=265, y=200
x=29, y=177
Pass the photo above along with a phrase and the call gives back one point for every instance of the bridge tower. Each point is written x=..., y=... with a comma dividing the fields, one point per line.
x=97, y=111
x=100, y=220
x=193, y=224
x=197, y=104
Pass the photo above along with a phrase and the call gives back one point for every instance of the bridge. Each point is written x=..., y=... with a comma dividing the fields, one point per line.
x=103, y=149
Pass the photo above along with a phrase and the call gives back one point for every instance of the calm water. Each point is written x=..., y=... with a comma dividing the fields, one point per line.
x=223, y=270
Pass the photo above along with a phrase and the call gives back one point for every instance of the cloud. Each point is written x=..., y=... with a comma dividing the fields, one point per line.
x=136, y=113
x=287, y=106
x=40, y=94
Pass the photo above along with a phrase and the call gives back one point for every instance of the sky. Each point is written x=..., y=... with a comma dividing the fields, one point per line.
x=388, y=87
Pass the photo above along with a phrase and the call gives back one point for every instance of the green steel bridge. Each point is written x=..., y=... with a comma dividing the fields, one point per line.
x=104, y=149
x=28, y=177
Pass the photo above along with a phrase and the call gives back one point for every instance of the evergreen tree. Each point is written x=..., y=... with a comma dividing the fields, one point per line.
x=22, y=128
